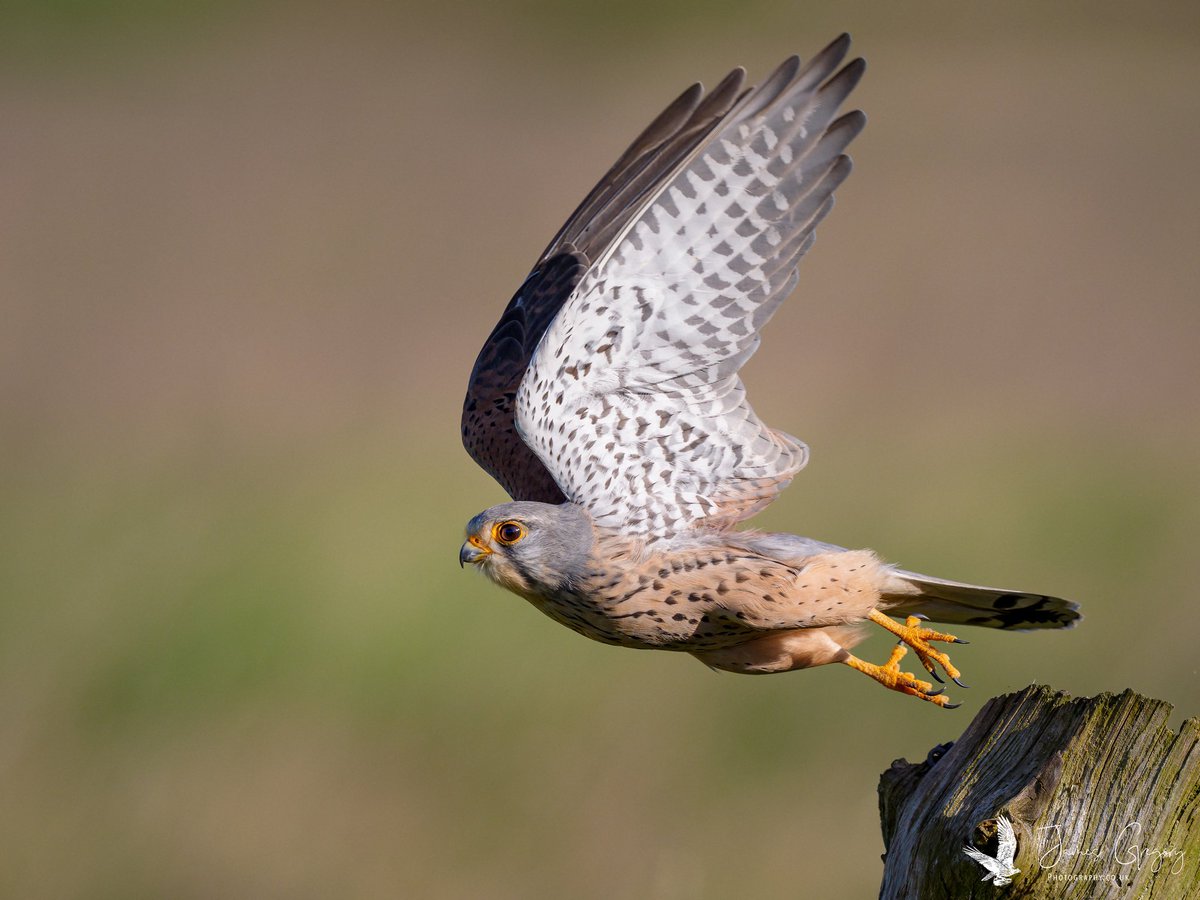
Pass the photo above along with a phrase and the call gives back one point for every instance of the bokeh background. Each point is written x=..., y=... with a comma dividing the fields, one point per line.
x=247, y=255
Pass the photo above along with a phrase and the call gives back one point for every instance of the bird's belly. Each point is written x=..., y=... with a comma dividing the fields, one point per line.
x=707, y=599
x=668, y=613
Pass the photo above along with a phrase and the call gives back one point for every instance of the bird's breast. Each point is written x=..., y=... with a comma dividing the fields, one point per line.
x=691, y=600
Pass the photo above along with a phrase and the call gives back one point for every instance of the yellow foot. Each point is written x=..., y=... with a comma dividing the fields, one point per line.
x=918, y=637
x=890, y=676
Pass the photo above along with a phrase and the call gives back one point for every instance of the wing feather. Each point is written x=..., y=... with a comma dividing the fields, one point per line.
x=488, y=430
x=1006, y=840
x=488, y=420
x=983, y=859
x=632, y=400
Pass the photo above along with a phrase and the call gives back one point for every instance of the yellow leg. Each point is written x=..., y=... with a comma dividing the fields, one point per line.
x=918, y=637
x=890, y=676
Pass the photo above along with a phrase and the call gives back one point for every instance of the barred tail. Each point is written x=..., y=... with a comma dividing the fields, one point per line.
x=956, y=603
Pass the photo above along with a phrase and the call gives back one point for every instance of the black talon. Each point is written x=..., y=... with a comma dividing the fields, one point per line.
x=961, y=641
x=922, y=617
x=935, y=676
x=959, y=683
x=940, y=690
x=951, y=705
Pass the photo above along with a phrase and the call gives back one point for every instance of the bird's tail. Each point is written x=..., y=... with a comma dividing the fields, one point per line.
x=956, y=603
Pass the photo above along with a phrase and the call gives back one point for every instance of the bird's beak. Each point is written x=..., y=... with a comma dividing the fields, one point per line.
x=472, y=551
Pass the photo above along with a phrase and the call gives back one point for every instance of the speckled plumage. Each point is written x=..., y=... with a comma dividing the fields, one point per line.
x=607, y=402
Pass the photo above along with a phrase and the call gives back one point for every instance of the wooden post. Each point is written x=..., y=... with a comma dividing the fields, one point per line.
x=1103, y=799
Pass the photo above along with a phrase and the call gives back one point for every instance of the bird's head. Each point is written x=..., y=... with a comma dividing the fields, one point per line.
x=529, y=547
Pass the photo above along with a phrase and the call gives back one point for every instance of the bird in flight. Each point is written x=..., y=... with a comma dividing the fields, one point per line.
x=607, y=403
x=1000, y=869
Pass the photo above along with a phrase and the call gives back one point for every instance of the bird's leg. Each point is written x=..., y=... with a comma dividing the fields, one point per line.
x=918, y=637
x=890, y=676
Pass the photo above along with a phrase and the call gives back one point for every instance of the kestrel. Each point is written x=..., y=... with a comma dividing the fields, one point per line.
x=607, y=403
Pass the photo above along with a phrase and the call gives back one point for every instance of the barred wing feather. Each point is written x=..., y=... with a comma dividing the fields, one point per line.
x=632, y=399
x=488, y=420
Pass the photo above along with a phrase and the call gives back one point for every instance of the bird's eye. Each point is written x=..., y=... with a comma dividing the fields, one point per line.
x=509, y=532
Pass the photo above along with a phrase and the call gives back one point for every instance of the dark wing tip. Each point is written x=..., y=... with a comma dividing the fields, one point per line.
x=784, y=74
x=720, y=98
x=736, y=75
x=840, y=170
x=846, y=127
x=851, y=73
x=829, y=57
x=791, y=64
x=667, y=122
x=856, y=120
x=838, y=47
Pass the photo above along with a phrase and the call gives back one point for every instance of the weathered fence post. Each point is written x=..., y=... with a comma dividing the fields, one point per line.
x=1103, y=799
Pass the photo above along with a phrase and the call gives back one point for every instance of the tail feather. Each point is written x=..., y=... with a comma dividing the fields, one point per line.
x=956, y=603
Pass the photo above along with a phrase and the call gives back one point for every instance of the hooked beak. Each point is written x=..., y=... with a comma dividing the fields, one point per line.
x=472, y=551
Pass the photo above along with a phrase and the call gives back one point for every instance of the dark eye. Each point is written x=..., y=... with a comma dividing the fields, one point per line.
x=509, y=532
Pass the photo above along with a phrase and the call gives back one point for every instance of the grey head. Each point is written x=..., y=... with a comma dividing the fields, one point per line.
x=529, y=547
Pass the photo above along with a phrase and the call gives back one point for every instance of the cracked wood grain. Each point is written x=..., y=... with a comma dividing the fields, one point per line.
x=1103, y=797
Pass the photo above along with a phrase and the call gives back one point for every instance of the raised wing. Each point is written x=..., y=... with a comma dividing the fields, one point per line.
x=1006, y=839
x=632, y=400
x=488, y=427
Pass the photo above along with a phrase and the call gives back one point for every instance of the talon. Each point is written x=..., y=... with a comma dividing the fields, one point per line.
x=951, y=705
x=919, y=638
x=959, y=683
x=890, y=676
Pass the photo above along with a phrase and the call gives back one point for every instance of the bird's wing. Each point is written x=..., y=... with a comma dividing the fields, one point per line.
x=632, y=400
x=488, y=430
x=1006, y=839
x=982, y=858
x=488, y=420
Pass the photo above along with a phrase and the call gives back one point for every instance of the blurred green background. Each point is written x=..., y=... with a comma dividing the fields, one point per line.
x=247, y=255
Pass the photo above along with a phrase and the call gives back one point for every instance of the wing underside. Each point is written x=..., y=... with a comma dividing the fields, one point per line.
x=632, y=400
x=488, y=421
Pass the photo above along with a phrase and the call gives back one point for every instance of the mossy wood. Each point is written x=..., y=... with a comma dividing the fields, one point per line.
x=1103, y=798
